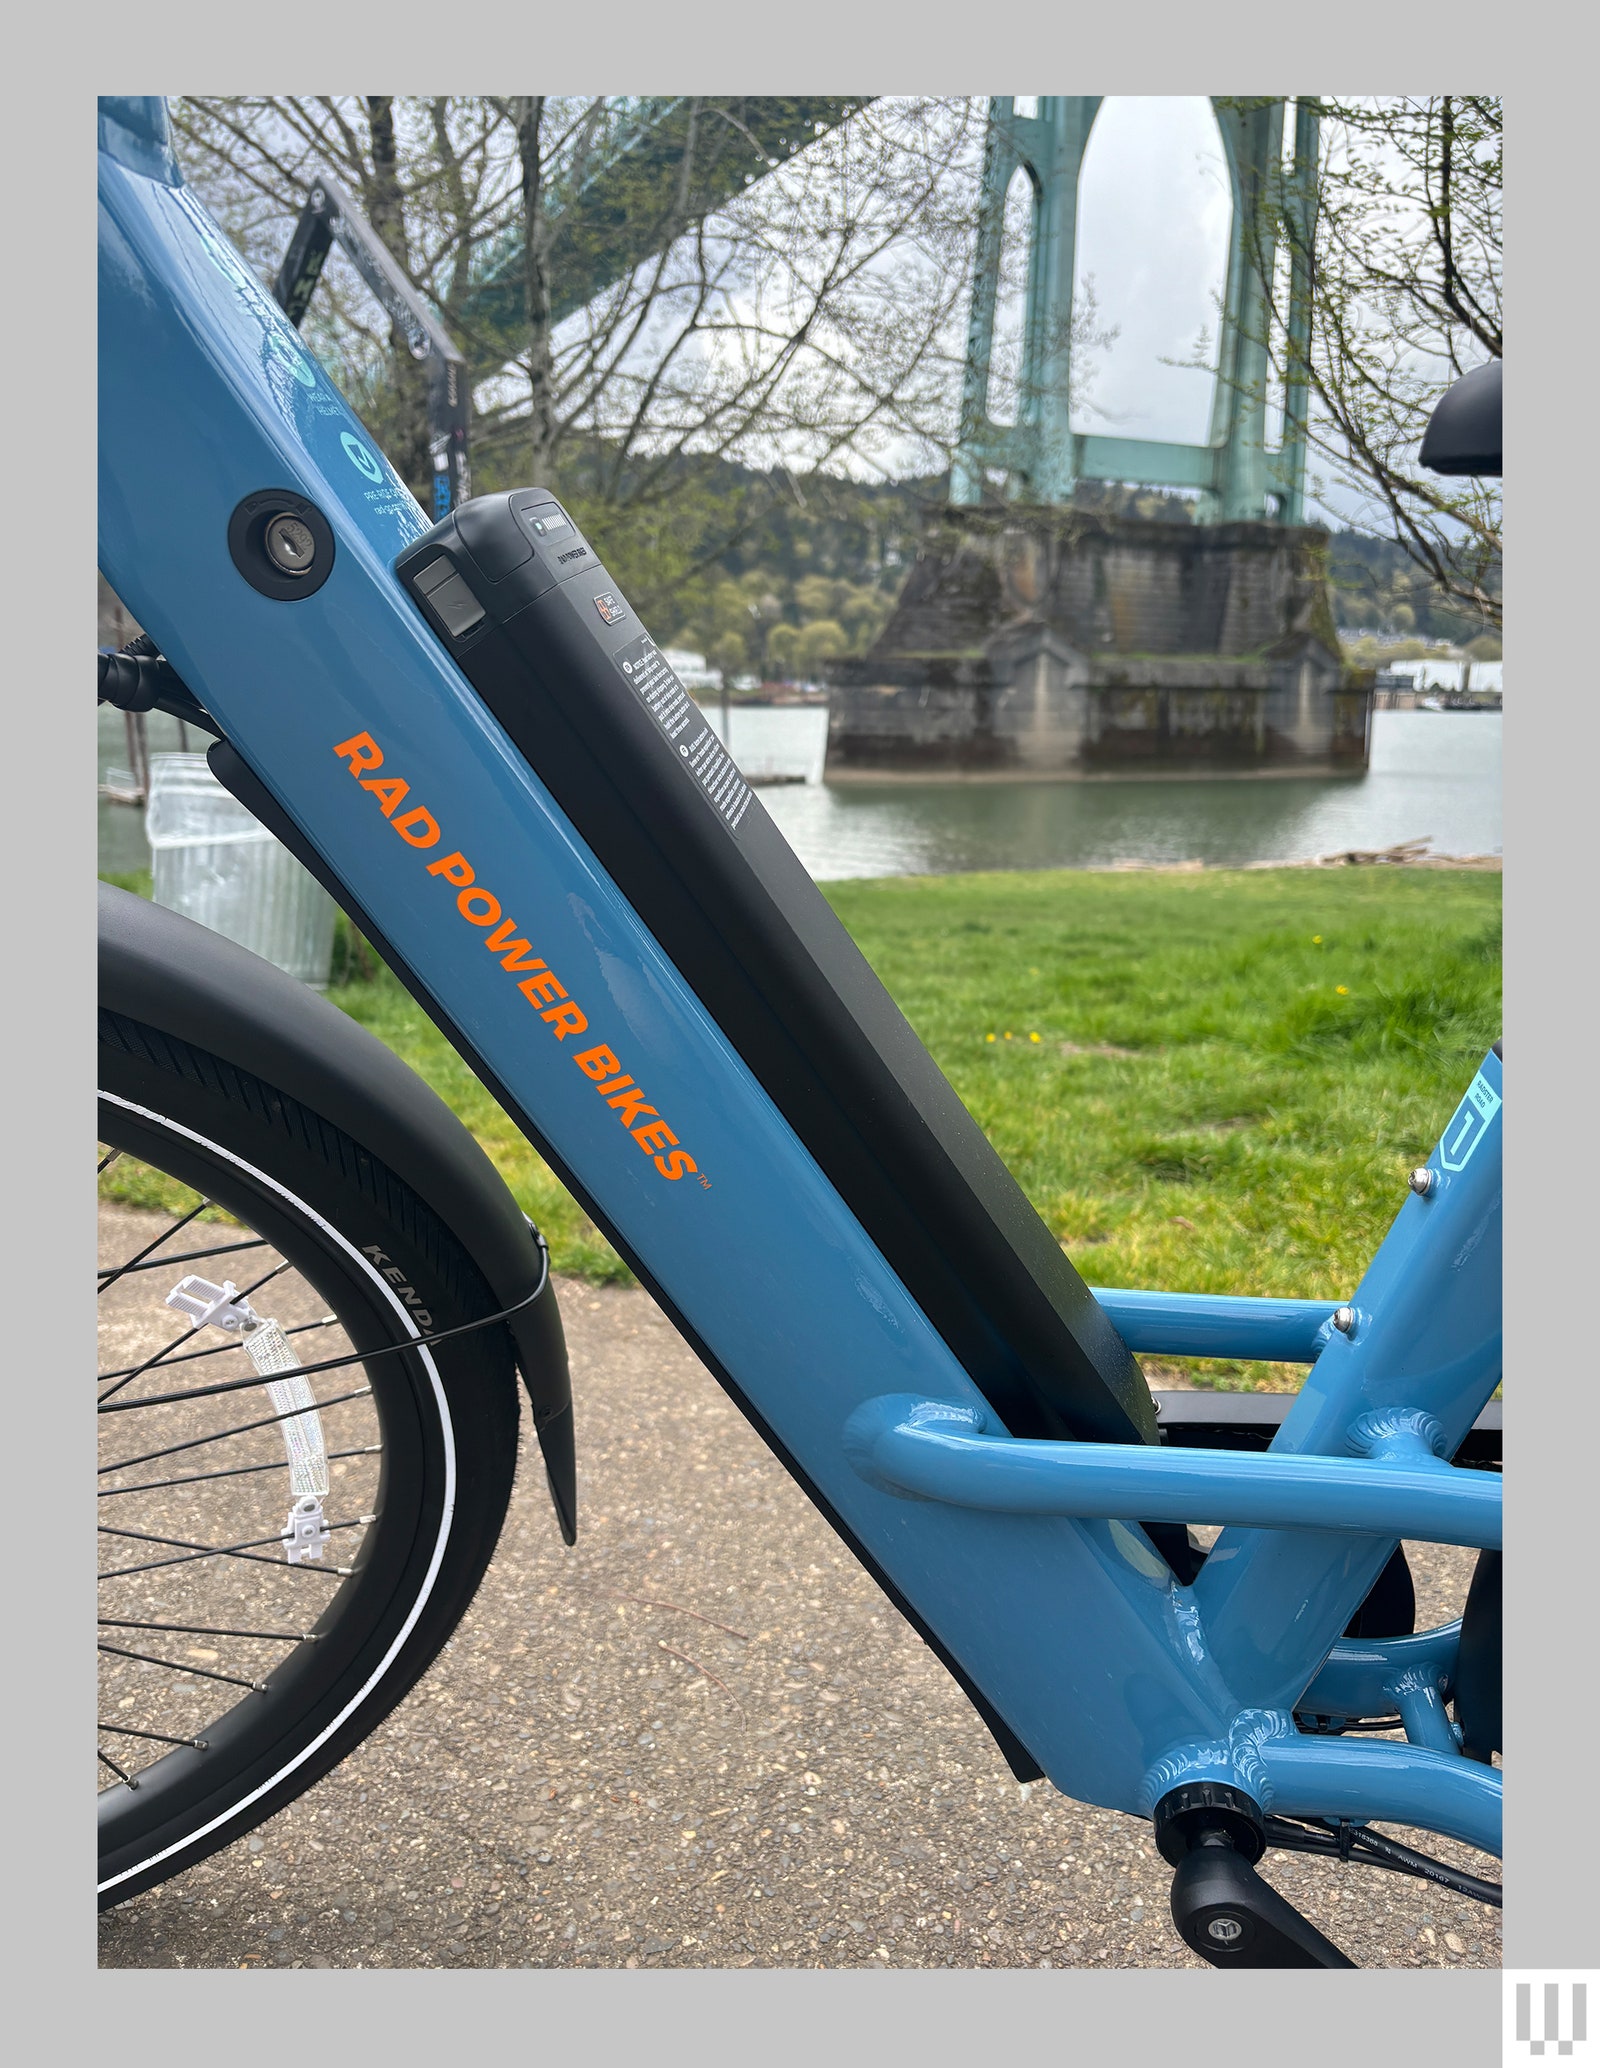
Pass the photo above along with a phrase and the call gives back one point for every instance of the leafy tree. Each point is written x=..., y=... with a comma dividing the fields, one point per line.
x=1379, y=586
x=730, y=657
x=821, y=640
x=783, y=649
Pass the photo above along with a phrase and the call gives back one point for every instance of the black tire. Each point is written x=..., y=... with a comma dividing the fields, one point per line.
x=385, y=1265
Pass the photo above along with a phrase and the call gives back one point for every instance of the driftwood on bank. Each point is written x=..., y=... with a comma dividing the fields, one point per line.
x=1414, y=852
x=1401, y=851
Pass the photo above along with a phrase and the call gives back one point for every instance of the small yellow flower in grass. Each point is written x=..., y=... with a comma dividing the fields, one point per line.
x=1008, y=1033
x=1033, y=1037
x=988, y=1037
x=1343, y=990
x=1316, y=940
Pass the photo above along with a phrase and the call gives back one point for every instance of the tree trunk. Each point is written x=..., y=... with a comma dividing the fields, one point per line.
x=529, y=113
x=408, y=440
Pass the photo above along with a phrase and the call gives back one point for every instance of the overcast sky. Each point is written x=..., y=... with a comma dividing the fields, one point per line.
x=1153, y=215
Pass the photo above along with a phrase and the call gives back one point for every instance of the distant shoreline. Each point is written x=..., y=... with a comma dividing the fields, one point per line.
x=1491, y=862
x=860, y=778
x=1486, y=864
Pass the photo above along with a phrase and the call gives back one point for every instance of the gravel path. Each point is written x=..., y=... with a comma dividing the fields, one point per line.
x=704, y=1739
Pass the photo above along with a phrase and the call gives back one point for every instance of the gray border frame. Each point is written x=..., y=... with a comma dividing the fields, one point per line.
x=781, y=2015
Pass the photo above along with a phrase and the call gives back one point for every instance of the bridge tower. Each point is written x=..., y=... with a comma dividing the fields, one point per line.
x=1040, y=457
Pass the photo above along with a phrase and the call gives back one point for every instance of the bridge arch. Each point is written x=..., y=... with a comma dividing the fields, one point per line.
x=1038, y=455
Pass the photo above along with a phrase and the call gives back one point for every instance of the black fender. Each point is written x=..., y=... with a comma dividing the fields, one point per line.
x=168, y=973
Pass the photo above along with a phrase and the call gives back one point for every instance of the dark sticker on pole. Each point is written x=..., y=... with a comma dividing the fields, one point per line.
x=686, y=726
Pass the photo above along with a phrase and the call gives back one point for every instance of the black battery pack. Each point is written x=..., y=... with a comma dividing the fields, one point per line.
x=548, y=640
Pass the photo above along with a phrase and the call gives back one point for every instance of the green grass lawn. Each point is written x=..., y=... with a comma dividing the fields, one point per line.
x=1233, y=1072
x=1212, y=1082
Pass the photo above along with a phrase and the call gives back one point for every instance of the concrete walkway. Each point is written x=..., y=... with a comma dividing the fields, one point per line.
x=704, y=1739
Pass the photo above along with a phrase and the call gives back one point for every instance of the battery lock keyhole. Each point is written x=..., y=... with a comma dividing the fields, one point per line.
x=281, y=543
x=291, y=545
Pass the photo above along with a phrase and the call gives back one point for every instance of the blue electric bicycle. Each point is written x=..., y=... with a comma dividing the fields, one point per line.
x=308, y=1437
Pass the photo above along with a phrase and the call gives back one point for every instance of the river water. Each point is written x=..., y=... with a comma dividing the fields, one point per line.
x=1434, y=775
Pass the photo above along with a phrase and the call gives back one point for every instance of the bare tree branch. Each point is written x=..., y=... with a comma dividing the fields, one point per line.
x=1402, y=251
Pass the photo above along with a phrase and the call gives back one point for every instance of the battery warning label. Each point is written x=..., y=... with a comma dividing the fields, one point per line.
x=686, y=726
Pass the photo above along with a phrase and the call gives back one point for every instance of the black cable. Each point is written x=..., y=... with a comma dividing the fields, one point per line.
x=1354, y=1843
x=137, y=678
x=1336, y=1726
x=130, y=681
x=1404, y=1859
x=1290, y=1837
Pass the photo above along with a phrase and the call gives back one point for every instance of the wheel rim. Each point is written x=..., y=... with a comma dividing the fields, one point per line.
x=322, y=1635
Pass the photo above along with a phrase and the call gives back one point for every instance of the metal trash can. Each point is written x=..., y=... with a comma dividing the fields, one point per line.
x=216, y=864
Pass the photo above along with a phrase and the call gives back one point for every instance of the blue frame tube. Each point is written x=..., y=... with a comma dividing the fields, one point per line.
x=1220, y=1325
x=1426, y=1340
x=935, y=1452
x=208, y=395
x=1384, y=1783
x=1074, y=1629
x=1363, y=1678
x=1422, y=1711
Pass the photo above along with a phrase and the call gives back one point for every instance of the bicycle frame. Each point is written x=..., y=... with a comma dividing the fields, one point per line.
x=1015, y=1555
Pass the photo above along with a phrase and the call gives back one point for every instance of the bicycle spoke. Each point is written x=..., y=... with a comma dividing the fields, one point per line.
x=129, y=1371
x=189, y=1256
x=420, y=1342
x=124, y=1407
x=248, y=1550
x=221, y=1435
x=161, y=1565
x=182, y=1660
x=143, y=1536
x=109, y=1277
x=188, y=1335
x=145, y=1486
x=271, y=1378
x=123, y=1730
x=256, y=1687
x=205, y=1630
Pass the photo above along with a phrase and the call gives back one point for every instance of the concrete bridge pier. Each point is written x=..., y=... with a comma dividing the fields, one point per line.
x=1055, y=643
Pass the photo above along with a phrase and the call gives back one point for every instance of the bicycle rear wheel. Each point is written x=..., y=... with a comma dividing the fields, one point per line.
x=232, y=1678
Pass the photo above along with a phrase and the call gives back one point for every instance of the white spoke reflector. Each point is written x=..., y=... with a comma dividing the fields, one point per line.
x=219, y=1306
